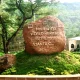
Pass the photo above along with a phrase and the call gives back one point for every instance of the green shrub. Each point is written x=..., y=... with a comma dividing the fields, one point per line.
x=77, y=49
x=42, y=71
x=9, y=71
x=50, y=71
x=65, y=72
x=54, y=64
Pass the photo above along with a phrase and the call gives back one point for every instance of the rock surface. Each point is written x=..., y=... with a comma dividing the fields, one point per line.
x=7, y=61
x=44, y=36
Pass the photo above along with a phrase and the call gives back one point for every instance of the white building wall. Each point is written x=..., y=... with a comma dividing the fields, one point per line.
x=72, y=42
x=75, y=42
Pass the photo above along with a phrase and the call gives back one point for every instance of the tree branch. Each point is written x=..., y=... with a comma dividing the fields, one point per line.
x=21, y=25
x=23, y=21
x=14, y=34
x=19, y=7
x=4, y=32
x=32, y=11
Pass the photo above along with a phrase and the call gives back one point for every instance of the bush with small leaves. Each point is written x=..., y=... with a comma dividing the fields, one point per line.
x=9, y=71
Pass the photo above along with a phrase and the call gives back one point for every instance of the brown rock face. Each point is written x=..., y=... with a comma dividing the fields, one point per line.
x=44, y=36
x=7, y=61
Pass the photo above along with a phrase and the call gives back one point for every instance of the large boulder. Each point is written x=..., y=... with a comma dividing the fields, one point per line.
x=44, y=36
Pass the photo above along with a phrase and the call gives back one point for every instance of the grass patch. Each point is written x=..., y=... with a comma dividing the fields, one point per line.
x=54, y=64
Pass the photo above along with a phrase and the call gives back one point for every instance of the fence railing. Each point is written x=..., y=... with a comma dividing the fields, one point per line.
x=46, y=77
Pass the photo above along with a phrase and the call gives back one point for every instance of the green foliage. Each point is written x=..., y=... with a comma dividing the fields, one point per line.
x=65, y=72
x=77, y=49
x=42, y=71
x=54, y=64
x=69, y=14
x=64, y=63
x=1, y=54
x=15, y=13
x=9, y=71
x=50, y=71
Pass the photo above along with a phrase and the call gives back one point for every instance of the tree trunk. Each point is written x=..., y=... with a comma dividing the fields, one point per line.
x=14, y=34
x=4, y=41
x=4, y=35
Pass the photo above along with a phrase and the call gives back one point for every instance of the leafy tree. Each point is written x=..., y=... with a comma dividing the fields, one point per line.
x=69, y=14
x=15, y=14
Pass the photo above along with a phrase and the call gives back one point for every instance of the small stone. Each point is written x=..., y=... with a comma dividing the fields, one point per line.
x=44, y=36
x=7, y=61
